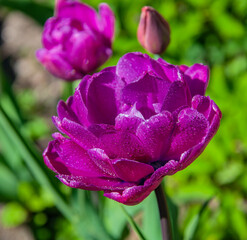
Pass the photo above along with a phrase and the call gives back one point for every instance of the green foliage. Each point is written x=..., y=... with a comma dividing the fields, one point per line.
x=13, y=214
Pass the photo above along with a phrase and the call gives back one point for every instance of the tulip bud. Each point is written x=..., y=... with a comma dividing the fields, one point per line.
x=153, y=31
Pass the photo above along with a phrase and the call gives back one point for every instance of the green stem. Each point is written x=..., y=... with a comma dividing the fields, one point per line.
x=20, y=144
x=68, y=90
x=164, y=213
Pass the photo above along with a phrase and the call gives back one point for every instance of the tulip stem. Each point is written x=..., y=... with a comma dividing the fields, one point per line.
x=164, y=213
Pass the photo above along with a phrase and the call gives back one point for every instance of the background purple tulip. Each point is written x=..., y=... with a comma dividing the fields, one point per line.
x=76, y=40
x=130, y=125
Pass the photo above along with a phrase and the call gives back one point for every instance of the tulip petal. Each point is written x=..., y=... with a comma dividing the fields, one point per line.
x=93, y=183
x=197, y=77
x=57, y=64
x=107, y=21
x=65, y=157
x=190, y=129
x=86, y=50
x=79, y=134
x=78, y=11
x=172, y=72
x=205, y=106
x=126, y=145
x=131, y=66
x=131, y=171
x=129, y=121
x=190, y=155
x=101, y=99
x=77, y=105
x=64, y=111
x=147, y=90
x=135, y=194
x=176, y=97
x=52, y=159
x=102, y=161
x=155, y=134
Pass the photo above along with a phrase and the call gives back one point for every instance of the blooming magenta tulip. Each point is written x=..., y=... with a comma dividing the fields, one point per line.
x=130, y=125
x=76, y=40
x=153, y=31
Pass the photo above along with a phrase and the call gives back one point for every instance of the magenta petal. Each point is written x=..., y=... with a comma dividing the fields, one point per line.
x=72, y=159
x=84, y=86
x=129, y=121
x=202, y=104
x=173, y=73
x=52, y=159
x=102, y=161
x=148, y=89
x=77, y=105
x=183, y=68
x=86, y=51
x=79, y=134
x=131, y=171
x=126, y=145
x=107, y=21
x=177, y=96
x=132, y=65
x=95, y=184
x=189, y=156
x=65, y=112
x=197, y=77
x=57, y=64
x=205, y=106
x=47, y=38
x=190, y=129
x=136, y=194
x=155, y=134
x=78, y=11
x=101, y=99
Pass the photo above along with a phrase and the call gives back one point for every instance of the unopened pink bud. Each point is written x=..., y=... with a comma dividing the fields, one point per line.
x=153, y=31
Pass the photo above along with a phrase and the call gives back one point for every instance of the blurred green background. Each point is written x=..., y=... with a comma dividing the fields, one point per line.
x=212, y=32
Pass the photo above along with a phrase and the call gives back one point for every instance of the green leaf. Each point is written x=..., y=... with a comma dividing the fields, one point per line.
x=191, y=229
x=173, y=210
x=114, y=218
x=12, y=158
x=9, y=183
x=229, y=173
x=151, y=226
x=228, y=26
x=90, y=226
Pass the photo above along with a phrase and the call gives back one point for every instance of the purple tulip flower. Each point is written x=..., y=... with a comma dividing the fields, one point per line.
x=76, y=40
x=130, y=125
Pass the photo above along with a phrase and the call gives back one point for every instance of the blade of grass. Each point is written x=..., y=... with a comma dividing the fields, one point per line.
x=13, y=158
x=151, y=215
x=133, y=224
x=192, y=227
